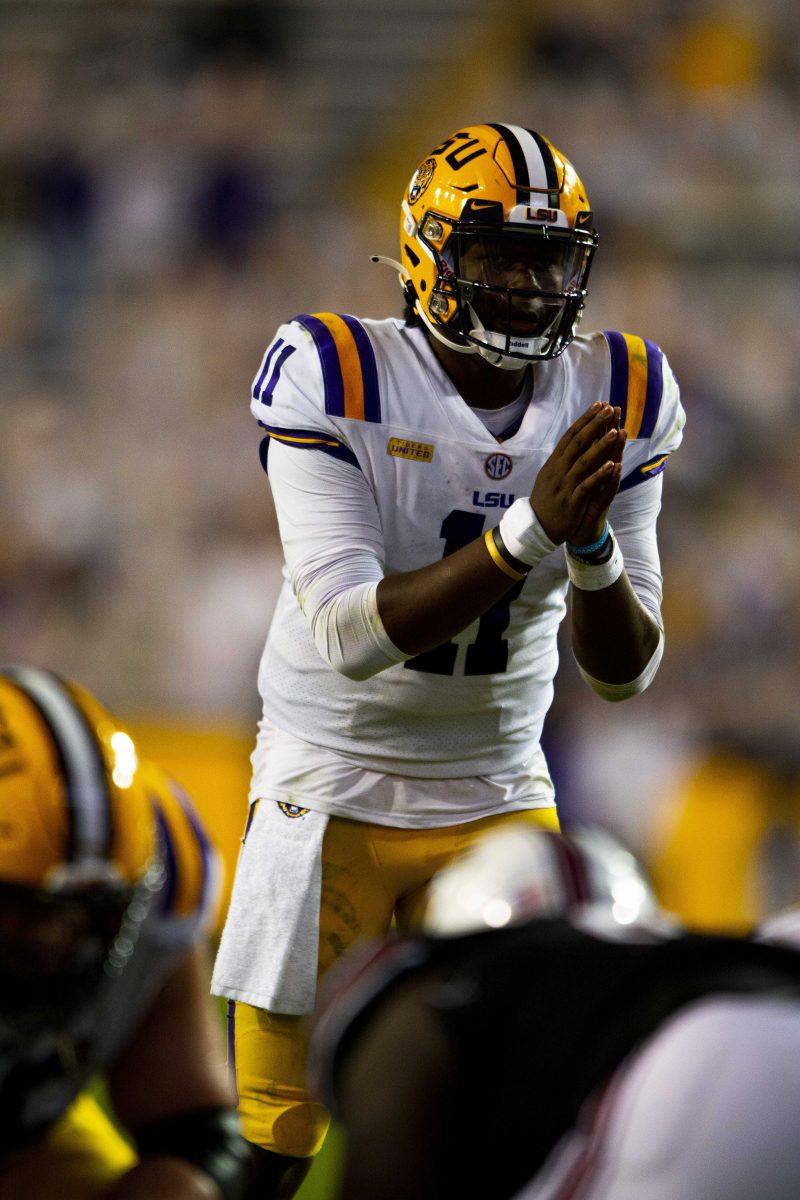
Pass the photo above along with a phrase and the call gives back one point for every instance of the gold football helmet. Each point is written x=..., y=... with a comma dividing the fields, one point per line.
x=80, y=855
x=496, y=242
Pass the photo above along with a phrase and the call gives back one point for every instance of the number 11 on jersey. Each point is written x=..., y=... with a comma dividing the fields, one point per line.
x=488, y=654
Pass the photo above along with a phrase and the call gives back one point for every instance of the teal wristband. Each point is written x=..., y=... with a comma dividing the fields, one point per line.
x=590, y=549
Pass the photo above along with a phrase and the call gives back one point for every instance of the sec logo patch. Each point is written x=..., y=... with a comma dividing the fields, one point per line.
x=498, y=466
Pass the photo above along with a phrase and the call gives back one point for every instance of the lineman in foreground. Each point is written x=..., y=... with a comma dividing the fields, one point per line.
x=548, y=1038
x=107, y=886
x=441, y=484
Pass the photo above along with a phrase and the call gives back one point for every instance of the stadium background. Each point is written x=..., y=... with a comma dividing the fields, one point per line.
x=177, y=178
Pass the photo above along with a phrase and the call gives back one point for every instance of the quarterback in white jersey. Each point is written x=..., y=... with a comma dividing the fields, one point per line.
x=440, y=482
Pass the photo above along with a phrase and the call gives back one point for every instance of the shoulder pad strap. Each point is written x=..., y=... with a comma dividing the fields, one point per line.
x=349, y=371
x=636, y=381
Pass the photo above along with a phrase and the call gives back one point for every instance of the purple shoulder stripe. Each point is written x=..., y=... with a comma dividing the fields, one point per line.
x=618, y=392
x=329, y=358
x=655, y=383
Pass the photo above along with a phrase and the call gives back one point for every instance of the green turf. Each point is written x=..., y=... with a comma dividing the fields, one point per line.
x=322, y=1180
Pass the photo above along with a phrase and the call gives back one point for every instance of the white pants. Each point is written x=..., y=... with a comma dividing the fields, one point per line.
x=707, y=1109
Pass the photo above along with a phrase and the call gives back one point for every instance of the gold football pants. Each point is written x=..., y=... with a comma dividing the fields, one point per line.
x=370, y=874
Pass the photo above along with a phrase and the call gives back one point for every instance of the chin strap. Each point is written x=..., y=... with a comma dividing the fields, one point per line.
x=494, y=357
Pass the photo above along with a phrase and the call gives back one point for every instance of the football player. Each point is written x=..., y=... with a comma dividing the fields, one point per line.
x=550, y=1038
x=441, y=484
x=107, y=885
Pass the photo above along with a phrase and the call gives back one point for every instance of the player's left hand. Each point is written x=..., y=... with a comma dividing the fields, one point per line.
x=603, y=487
x=576, y=485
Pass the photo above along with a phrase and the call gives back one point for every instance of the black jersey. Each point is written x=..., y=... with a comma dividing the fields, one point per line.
x=536, y=1018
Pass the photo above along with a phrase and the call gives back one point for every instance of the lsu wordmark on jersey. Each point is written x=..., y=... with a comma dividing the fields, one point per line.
x=368, y=406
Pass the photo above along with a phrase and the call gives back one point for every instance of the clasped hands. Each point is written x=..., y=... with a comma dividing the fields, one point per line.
x=575, y=487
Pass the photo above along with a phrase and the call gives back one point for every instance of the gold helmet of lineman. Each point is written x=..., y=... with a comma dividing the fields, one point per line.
x=80, y=855
x=496, y=242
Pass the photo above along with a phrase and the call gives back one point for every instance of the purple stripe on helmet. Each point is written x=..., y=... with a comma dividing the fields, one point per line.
x=329, y=357
x=369, y=369
x=268, y=357
x=652, y=399
x=170, y=863
x=618, y=392
x=199, y=832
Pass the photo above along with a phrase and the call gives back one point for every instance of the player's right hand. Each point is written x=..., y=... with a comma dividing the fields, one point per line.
x=576, y=485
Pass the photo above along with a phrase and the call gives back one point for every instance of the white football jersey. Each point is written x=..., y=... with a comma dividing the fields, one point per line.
x=408, y=473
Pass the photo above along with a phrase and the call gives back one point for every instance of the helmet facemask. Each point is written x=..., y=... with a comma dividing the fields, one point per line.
x=518, y=291
x=58, y=946
x=81, y=859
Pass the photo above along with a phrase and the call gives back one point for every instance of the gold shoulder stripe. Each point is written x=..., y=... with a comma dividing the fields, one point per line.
x=349, y=364
x=637, y=383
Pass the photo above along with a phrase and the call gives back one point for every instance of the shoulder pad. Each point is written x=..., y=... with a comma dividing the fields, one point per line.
x=636, y=381
x=349, y=370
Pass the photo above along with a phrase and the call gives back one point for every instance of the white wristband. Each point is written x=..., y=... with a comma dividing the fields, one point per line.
x=591, y=577
x=623, y=691
x=523, y=535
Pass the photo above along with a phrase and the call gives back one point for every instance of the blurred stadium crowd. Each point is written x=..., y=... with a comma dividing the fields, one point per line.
x=177, y=178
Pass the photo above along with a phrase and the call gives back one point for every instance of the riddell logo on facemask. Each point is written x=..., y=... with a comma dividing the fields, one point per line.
x=543, y=214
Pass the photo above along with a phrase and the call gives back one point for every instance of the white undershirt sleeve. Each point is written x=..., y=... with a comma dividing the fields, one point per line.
x=333, y=546
x=633, y=517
